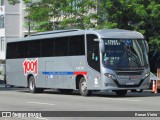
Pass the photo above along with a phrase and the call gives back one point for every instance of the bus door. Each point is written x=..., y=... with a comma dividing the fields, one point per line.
x=49, y=79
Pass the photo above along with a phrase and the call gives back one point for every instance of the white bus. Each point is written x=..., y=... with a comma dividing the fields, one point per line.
x=85, y=60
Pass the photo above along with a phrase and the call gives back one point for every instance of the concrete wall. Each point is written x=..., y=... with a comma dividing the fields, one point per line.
x=12, y=23
x=12, y=20
x=2, y=32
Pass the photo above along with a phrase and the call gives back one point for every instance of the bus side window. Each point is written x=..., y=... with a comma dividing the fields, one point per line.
x=12, y=50
x=61, y=46
x=76, y=45
x=93, y=56
x=47, y=47
x=23, y=49
x=34, y=48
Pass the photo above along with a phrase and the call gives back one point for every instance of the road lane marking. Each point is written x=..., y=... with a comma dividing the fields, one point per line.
x=41, y=118
x=17, y=118
x=40, y=103
x=122, y=99
x=134, y=100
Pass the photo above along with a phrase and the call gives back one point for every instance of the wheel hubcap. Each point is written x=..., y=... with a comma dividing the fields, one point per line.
x=31, y=85
x=83, y=86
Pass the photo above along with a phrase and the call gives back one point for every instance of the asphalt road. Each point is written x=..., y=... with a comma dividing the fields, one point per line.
x=19, y=99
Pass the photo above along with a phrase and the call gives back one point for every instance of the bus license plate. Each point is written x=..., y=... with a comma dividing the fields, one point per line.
x=130, y=83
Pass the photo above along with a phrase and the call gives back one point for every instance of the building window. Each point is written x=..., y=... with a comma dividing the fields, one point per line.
x=1, y=2
x=1, y=21
x=2, y=44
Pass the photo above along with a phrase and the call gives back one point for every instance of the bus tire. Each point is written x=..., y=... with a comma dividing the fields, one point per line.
x=32, y=86
x=121, y=93
x=83, y=87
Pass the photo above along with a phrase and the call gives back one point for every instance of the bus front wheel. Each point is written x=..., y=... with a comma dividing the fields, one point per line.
x=83, y=87
x=121, y=93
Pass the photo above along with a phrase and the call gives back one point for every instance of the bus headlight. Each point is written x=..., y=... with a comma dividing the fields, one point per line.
x=146, y=75
x=110, y=76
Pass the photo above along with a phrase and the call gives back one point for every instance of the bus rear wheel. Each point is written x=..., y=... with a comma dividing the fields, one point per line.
x=121, y=93
x=32, y=86
x=83, y=87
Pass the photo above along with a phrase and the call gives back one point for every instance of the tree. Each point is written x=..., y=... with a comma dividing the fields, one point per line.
x=13, y=2
x=61, y=14
x=140, y=15
x=78, y=14
x=39, y=16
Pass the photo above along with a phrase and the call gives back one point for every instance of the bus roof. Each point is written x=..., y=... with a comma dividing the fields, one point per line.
x=103, y=33
x=119, y=33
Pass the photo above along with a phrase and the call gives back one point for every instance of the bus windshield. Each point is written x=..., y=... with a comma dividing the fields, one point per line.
x=124, y=53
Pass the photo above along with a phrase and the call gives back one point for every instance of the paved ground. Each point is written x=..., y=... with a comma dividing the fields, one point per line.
x=19, y=99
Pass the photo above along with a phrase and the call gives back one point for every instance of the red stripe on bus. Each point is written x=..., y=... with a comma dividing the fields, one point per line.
x=82, y=73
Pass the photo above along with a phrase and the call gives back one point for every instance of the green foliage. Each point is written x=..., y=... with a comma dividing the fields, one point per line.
x=13, y=2
x=139, y=15
x=78, y=14
x=155, y=43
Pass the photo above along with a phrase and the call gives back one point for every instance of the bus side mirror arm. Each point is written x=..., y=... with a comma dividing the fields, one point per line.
x=102, y=49
x=97, y=40
x=101, y=44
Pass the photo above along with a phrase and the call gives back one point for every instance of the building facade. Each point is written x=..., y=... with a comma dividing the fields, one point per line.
x=2, y=30
x=11, y=24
